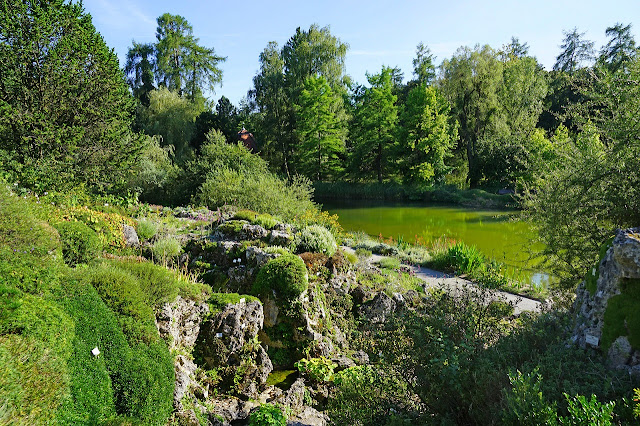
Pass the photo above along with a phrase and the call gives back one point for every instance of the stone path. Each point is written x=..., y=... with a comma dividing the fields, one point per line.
x=452, y=283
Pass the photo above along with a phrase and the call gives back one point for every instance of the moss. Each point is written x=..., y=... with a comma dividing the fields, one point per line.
x=232, y=227
x=217, y=301
x=591, y=279
x=622, y=316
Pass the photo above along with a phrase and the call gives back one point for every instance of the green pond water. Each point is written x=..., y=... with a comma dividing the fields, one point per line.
x=498, y=234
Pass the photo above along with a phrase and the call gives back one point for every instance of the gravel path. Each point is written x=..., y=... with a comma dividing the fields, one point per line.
x=452, y=283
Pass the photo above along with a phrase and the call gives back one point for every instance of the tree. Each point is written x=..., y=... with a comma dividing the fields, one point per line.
x=593, y=187
x=320, y=129
x=621, y=48
x=513, y=50
x=423, y=68
x=172, y=117
x=278, y=85
x=426, y=136
x=470, y=81
x=65, y=109
x=374, y=127
x=182, y=64
x=575, y=51
x=139, y=69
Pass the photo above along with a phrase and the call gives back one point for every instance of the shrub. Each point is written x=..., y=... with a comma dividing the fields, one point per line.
x=525, y=404
x=146, y=229
x=267, y=415
x=318, y=369
x=80, y=244
x=316, y=239
x=166, y=248
x=265, y=220
x=276, y=250
x=108, y=226
x=286, y=275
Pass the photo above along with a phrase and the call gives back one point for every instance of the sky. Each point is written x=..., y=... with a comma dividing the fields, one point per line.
x=379, y=33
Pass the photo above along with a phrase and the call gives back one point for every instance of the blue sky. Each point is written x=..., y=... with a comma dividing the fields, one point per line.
x=378, y=32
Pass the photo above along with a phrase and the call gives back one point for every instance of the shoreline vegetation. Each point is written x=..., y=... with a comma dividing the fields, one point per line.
x=393, y=191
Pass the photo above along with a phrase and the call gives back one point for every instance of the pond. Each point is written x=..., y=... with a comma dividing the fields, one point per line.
x=498, y=234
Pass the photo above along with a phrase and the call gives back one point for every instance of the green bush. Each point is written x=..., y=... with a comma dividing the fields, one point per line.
x=276, y=250
x=146, y=229
x=158, y=284
x=286, y=275
x=80, y=244
x=316, y=239
x=166, y=248
x=525, y=404
x=265, y=220
x=318, y=369
x=267, y=415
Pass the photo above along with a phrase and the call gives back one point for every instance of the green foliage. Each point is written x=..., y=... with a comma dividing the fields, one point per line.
x=29, y=249
x=591, y=278
x=276, y=250
x=80, y=244
x=621, y=318
x=166, y=248
x=583, y=412
x=230, y=174
x=172, y=117
x=110, y=312
x=146, y=229
x=376, y=116
x=321, y=129
x=315, y=239
x=318, y=369
x=152, y=175
x=66, y=118
x=265, y=220
x=267, y=415
x=390, y=263
x=218, y=301
x=426, y=136
x=286, y=275
x=525, y=404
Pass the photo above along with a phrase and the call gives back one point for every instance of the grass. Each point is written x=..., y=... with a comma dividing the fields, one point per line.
x=218, y=301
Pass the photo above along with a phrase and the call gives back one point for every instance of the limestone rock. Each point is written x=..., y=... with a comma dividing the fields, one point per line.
x=379, y=308
x=360, y=357
x=179, y=321
x=230, y=411
x=308, y=417
x=621, y=261
x=229, y=339
x=253, y=232
x=257, y=257
x=130, y=236
x=280, y=238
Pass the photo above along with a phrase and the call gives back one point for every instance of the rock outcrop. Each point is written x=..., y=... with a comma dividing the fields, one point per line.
x=602, y=306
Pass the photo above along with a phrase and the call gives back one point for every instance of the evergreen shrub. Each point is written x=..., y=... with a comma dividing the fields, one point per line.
x=287, y=275
x=80, y=244
x=316, y=239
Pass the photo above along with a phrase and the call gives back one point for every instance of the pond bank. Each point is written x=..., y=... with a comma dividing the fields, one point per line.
x=390, y=191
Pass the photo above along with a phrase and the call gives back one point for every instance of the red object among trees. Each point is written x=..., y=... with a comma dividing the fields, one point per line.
x=248, y=140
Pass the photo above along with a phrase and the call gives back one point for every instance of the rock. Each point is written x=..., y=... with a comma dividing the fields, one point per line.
x=343, y=362
x=179, y=322
x=309, y=417
x=229, y=339
x=379, y=308
x=280, y=238
x=253, y=232
x=257, y=257
x=185, y=370
x=360, y=357
x=130, y=236
x=506, y=191
x=360, y=295
x=343, y=282
x=294, y=398
x=270, y=309
x=620, y=263
x=619, y=352
x=230, y=411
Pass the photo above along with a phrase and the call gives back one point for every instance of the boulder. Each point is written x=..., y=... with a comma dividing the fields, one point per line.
x=379, y=309
x=179, y=322
x=280, y=238
x=308, y=417
x=620, y=265
x=229, y=339
x=130, y=236
x=253, y=232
